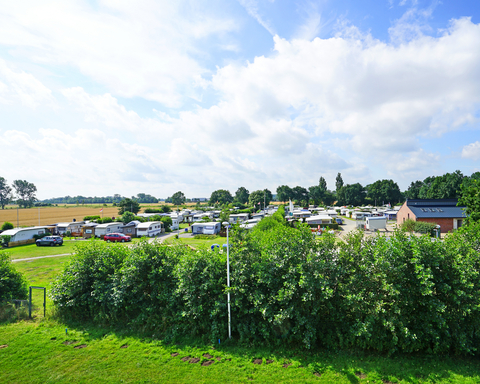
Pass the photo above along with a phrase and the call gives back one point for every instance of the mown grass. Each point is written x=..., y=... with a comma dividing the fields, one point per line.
x=197, y=243
x=68, y=247
x=42, y=351
x=31, y=250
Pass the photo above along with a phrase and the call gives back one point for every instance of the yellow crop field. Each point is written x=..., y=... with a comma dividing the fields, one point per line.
x=52, y=215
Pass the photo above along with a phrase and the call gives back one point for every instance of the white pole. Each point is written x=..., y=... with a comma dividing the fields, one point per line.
x=228, y=285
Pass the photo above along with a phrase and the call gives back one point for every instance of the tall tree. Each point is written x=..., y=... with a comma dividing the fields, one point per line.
x=384, y=191
x=284, y=193
x=317, y=194
x=221, y=196
x=260, y=198
x=353, y=194
x=178, y=198
x=25, y=192
x=300, y=195
x=322, y=183
x=413, y=190
x=338, y=182
x=470, y=198
x=128, y=205
x=242, y=195
x=5, y=192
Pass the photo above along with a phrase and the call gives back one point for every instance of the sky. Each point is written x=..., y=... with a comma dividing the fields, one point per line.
x=153, y=96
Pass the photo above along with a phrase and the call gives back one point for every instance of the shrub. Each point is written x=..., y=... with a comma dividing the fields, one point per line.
x=5, y=239
x=408, y=225
x=12, y=283
x=6, y=225
x=153, y=210
x=423, y=227
x=205, y=237
x=90, y=218
x=403, y=293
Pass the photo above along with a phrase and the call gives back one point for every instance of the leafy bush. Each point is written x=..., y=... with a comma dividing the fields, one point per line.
x=153, y=210
x=12, y=283
x=408, y=225
x=5, y=239
x=423, y=227
x=205, y=237
x=90, y=218
x=403, y=293
x=6, y=225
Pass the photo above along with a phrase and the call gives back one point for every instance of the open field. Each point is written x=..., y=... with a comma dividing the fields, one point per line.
x=51, y=215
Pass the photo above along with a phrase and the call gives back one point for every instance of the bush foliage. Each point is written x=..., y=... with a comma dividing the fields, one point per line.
x=13, y=285
x=405, y=293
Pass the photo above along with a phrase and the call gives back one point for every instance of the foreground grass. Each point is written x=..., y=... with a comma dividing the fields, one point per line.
x=42, y=352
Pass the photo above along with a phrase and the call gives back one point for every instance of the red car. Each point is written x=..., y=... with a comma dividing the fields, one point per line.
x=117, y=237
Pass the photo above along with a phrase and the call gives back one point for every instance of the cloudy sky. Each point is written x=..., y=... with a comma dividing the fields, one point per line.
x=114, y=96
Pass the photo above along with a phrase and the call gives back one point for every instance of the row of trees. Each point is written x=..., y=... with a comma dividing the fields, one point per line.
x=21, y=191
x=142, y=198
x=242, y=196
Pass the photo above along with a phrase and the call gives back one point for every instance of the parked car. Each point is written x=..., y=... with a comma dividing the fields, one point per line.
x=339, y=220
x=49, y=240
x=117, y=237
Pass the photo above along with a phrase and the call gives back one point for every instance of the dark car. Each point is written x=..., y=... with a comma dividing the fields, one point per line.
x=117, y=237
x=49, y=240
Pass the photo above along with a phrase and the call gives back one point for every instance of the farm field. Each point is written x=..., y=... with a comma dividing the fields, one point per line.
x=65, y=213
x=51, y=215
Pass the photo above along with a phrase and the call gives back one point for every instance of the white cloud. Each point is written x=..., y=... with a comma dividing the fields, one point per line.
x=471, y=151
x=18, y=85
x=252, y=8
x=106, y=111
x=143, y=49
x=83, y=160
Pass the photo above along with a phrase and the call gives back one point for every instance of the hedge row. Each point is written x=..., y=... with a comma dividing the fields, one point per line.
x=399, y=294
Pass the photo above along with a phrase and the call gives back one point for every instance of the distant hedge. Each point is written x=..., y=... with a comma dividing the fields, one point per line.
x=403, y=293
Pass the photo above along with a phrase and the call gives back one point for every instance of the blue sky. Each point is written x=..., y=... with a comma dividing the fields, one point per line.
x=104, y=97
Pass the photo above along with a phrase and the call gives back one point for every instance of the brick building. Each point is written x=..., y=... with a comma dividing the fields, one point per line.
x=443, y=212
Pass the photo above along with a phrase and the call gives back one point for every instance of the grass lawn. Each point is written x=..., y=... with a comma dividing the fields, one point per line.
x=31, y=250
x=42, y=352
x=197, y=243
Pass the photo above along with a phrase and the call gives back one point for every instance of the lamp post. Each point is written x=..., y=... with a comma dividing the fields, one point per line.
x=227, y=225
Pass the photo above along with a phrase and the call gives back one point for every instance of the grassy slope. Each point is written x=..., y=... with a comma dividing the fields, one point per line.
x=36, y=354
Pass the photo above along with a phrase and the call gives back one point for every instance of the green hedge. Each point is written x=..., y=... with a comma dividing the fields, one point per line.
x=392, y=294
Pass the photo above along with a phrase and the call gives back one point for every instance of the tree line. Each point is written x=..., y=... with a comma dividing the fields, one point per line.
x=386, y=191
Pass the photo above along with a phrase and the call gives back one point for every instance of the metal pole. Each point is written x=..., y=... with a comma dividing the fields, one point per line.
x=264, y=202
x=228, y=285
x=30, y=304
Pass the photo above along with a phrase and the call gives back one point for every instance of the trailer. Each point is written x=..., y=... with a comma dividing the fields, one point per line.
x=375, y=223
